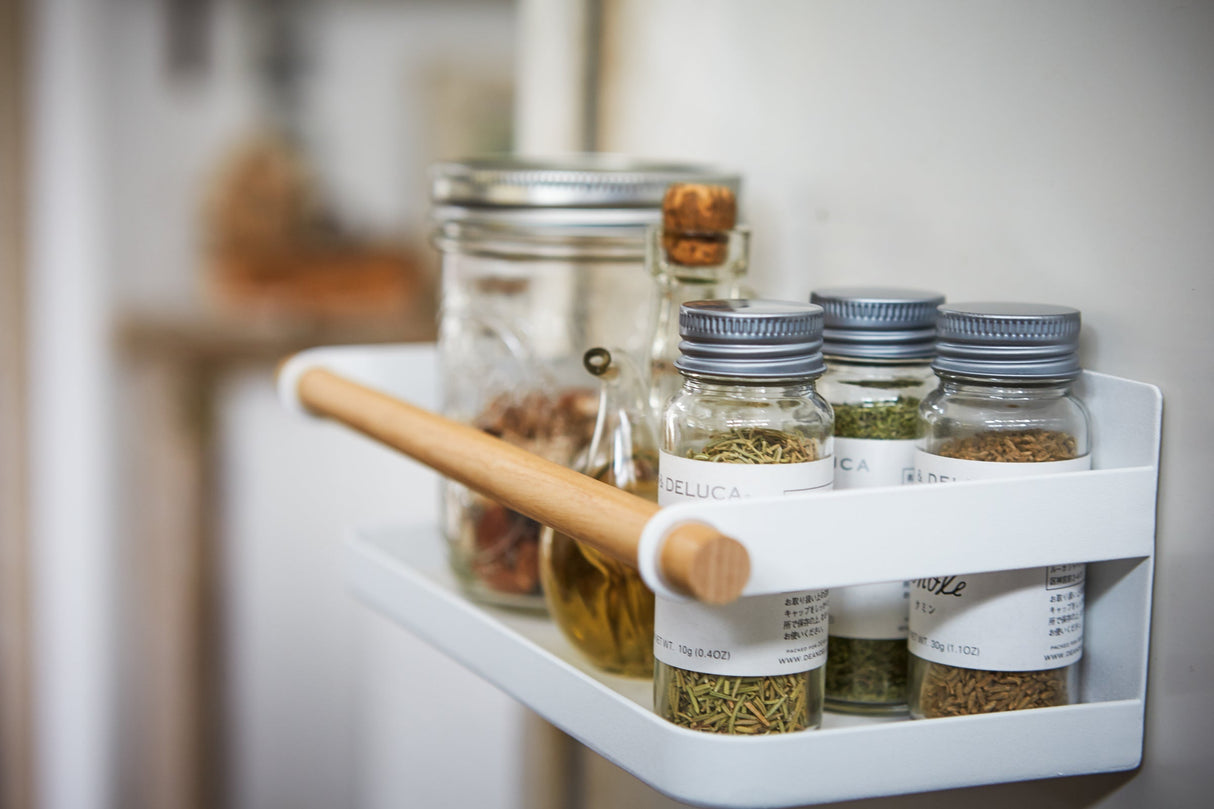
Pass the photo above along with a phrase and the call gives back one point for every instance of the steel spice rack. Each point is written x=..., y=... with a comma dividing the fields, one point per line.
x=1105, y=517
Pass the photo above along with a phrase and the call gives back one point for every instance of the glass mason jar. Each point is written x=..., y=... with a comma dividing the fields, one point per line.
x=748, y=422
x=541, y=260
x=878, y=343
x=1003, y=408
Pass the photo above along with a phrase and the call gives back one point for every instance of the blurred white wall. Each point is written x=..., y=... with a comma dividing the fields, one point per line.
x=1038, y=151
x=71, y=510
x=322, y=691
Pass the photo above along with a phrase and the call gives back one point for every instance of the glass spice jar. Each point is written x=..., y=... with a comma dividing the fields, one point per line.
x=878, y=343
x=541, y=260
x=747, y=422
x=697, y=253
x=601, y=605
x=1008, y=640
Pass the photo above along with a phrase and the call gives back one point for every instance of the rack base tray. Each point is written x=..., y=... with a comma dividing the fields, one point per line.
x=402, y=573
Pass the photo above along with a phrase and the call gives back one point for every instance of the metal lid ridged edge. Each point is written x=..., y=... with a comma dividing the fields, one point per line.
x=877, y=307
x=751, y=338
x=1009, y=323
x=577, y=180
x=1013, y=340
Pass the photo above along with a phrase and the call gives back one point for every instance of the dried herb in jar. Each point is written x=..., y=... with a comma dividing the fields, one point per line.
x=954, y=691
x=869, y=675
x=869, y=672
x=1012, y=446
x=718, y=703
x=757, y=445
x=1004, y=407
x=878, y=343
x=746, y=422
x=896, y=419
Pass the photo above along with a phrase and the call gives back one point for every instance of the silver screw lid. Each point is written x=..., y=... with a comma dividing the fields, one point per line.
x=1008, y=340
x=763, y=339
x=569, y=190
x=886, y=323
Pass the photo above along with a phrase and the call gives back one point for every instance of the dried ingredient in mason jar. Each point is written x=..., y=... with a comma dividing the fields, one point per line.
x=505, y=556
x=716, y=703
x=891, y=420
x=954, y=691
x=866, y=671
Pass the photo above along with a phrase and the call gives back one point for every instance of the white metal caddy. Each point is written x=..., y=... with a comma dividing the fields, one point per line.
x=1105, y=517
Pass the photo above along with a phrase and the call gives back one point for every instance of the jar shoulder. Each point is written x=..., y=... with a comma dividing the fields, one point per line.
x=854, y=383
x=951, y=414
x=691, y=420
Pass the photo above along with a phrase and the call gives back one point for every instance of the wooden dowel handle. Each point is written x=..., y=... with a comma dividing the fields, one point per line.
x=696, y=559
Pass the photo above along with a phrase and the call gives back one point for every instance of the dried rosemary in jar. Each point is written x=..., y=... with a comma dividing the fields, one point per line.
x=1008, y=640
x=878, y=343
x=747, y=422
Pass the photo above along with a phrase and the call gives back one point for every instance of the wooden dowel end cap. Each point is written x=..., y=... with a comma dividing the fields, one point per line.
x=702, y=562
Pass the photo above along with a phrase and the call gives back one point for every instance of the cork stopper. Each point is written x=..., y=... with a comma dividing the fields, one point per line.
x=696, y=220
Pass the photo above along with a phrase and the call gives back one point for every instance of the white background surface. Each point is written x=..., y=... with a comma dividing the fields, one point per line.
x=1054, y=152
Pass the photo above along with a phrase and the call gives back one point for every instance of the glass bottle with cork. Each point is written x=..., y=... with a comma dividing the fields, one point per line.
x=697, y=253
x=878, y=343
x=1004, y=407
x=602, y=606
x=747, y=422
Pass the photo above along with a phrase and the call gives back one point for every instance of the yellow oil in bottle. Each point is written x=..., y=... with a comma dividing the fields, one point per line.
x=602, y=606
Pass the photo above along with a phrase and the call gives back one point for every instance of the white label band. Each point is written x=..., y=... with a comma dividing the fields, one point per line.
x=871, y=611
x=1012, y=620
x=683, y=480
x=758, y=636
x=863, y=462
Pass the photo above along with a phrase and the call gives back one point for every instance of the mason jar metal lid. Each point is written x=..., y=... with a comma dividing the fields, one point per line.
x=878, y=322
x=571, y=190
x=764, y=339
x=1008, y=340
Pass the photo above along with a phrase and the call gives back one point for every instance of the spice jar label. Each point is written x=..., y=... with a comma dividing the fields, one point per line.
x=1012, y=620
x=870, y=611
x=763, y=635
x=873, y=462
x=682, y=480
